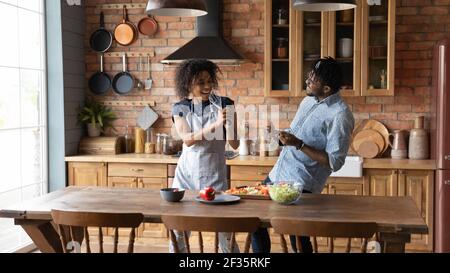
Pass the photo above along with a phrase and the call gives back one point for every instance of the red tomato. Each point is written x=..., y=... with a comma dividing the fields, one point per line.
x=208, y=194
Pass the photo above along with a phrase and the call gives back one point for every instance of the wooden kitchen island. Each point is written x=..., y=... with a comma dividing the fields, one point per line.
x=381, y=177
x=394, y=226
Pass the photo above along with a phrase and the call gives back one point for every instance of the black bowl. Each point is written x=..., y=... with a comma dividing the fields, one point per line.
x=172, y=194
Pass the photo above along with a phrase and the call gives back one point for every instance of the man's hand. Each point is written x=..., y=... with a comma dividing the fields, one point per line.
x=290, y=140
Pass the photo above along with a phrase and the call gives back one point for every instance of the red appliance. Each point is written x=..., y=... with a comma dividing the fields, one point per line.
x=440, y=144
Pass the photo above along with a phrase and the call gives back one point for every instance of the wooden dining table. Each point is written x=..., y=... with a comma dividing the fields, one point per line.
x=396, y=217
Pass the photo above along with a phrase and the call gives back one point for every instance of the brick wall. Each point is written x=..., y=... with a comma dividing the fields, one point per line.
x=419, y=25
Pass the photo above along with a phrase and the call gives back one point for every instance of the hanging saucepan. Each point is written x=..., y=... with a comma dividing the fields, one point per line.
x=123, y=82
x=125, y=33
x=100, y=82
x=148, y=26
x=101, y=40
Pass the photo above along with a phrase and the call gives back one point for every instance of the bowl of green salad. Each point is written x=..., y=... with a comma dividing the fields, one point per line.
x=285, y=193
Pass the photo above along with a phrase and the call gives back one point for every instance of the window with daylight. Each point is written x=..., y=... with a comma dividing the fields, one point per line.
x=23, y=129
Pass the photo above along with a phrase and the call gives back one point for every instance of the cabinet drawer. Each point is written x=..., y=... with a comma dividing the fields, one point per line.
x=137, y=170
x=122, y=182
x=249, y=173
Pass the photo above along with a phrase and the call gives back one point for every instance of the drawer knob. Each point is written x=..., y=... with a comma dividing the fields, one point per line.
x=137, y=170
x=262, y=172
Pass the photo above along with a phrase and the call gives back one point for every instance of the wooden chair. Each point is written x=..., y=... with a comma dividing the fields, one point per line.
x=315, y=229
x=75, y=222
x=210, y=224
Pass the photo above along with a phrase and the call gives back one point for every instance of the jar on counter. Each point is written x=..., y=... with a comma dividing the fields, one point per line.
x=159, y=143
x=282, y=48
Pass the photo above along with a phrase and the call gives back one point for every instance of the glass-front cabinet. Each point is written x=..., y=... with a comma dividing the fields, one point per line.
x=279, y=56
x=344, y=44
x=312, y=35
x=362, y=40
x=378, y=47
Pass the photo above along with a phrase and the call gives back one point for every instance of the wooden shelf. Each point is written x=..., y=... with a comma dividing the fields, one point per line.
x=384, y=22
x=280, y=26
x=280, y=60
x=344, y=59
x=350, y=24
x=313, y=25
x=378, y=58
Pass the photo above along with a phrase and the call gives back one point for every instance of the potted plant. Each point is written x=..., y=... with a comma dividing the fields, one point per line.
x=97, y=117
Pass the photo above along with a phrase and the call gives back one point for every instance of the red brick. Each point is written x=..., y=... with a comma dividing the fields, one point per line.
x=434, y=10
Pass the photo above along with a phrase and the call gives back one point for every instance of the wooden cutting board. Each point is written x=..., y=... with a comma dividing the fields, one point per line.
x=368, y=149
x=368, y=136
x=374, y=125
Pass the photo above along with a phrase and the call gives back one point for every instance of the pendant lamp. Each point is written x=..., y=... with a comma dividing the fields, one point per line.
x=179, y=8
x=324, y=5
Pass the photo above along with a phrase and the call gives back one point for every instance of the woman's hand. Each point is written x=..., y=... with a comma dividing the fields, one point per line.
x=221, y=118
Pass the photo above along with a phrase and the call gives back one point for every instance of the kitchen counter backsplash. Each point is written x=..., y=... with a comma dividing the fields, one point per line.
x=243, y=24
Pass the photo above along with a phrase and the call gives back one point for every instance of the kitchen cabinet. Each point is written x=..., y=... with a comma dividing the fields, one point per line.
x=420, y=186
x=378, y=48
x=150, y=176
x=380, y=182
x=362, y=40
x=341, y=186
x=280, y=58
x=417, y=184
x=248, y=175
x=87, y=174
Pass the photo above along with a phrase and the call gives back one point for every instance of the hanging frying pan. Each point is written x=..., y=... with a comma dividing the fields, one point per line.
x=125, y=33
x=101, y=39
x=148, y=26
x=100, y=82
x=123, y=82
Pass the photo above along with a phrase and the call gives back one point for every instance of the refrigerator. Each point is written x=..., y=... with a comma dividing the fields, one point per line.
x=440, y=144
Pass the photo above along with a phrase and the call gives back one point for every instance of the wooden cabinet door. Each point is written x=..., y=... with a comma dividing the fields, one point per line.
x=344, y=44
x=341, y=186
x=378, y=48
x=152, y=230
x=279, y=68
x=379, y=182
x=87, y=174
x=419, y=185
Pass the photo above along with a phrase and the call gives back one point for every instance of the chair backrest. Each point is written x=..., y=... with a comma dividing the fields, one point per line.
x=315, y=229
x=210, y=224
x=70, y=223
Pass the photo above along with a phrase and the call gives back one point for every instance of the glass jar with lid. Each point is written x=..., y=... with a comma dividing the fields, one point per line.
x=282, y=16
x=282, y=48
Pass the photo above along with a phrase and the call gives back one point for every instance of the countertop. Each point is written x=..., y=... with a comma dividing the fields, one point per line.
x=378, y=163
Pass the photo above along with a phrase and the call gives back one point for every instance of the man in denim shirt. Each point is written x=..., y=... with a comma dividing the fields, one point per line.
x=317, y=142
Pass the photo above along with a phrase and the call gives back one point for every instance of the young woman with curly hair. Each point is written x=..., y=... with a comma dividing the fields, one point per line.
x=202, y=119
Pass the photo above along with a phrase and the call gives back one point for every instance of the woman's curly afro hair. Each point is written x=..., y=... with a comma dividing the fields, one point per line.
x=189, y=70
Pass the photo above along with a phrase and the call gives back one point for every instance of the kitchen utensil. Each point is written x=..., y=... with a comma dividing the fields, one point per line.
x=123, y=82
x=346, y=48
x=398, y=144
x=125, y=33
x=368, y=149
x=148, y=26
x=375, y=125
x=100, y=82
x=368, y=135
x=148, y=81
x=101, y=39
x=418, y=141
x=147, y=118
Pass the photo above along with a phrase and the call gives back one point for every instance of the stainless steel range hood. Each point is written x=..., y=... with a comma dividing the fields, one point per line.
x=209, y=44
